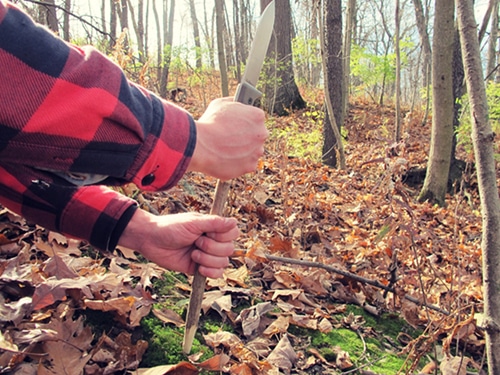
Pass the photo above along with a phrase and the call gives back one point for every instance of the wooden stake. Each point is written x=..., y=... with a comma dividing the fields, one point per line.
x=199, y=281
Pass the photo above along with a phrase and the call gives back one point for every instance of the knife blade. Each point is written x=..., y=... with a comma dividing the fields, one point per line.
x=246, y=93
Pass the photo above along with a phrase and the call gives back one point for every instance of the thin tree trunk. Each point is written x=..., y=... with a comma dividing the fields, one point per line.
x=492, y=44
x=113, y=22
x=349, y=30
x=138, y=26
x=168, y=30
x=219, y=17
x=424, y=40
x=332, y=63
x=196, y=33
x=438, y=167
x=483, y=140
x=397, y=135
x=67, y=10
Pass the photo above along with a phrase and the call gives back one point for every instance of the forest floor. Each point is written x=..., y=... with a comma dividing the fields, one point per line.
x=337, y=271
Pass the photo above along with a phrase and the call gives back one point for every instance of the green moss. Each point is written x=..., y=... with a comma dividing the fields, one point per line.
x=371, y=348
x=387, y=323
x=165, y=344
x=167, y=285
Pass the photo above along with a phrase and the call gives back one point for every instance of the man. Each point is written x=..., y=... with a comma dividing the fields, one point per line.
x=71, y=124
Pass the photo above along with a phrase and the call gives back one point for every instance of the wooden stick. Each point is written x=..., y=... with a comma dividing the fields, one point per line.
x=199, y=281
x=348, y=274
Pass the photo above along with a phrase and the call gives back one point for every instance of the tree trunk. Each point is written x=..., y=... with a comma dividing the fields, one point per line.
x=438, y=166
x=397, y=133
x=138, y=26
x=219, y=17
x=349, y=30
x=113, y=22
x=424, y=40
x=168, y=31
x=237, y=39
x=67, y=10
x=196, y=33
x=492, y=44
x=48, y=15
x=281, y=91
x=123, y=13
x=331, y=46
x=159, y=54
x=483, y=139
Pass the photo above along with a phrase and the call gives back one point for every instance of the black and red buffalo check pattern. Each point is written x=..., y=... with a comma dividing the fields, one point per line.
x=71, y=109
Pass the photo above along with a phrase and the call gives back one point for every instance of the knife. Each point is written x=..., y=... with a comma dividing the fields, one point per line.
x=246, y=93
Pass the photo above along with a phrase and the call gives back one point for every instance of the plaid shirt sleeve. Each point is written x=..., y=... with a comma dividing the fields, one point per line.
x=71, y=110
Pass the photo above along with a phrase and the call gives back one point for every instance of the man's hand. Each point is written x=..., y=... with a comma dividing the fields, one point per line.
x=180, y=241
x=230, y=139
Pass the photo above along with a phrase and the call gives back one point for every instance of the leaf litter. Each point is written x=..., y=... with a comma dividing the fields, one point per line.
x=361, y=221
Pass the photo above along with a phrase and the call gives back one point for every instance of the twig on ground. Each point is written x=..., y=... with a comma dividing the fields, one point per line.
x=364, y=280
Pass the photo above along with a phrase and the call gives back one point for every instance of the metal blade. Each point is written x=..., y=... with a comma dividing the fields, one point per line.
x=260, y=43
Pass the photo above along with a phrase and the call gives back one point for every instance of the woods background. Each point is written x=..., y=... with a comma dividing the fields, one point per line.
x=336, y=61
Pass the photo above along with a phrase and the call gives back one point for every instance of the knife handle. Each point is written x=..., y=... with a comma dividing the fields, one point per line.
x=247, y=94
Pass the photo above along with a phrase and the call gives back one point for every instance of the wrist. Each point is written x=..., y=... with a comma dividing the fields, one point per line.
x=136, y=230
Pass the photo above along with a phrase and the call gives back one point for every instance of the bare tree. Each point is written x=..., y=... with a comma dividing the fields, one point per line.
x=67, y=10
x=397, y=135
x=219, y=16
x=438, y=166
x=47, y=15
x=138, y=25
x=483, y=139
x=331, y=46
x=196, y=33
x=492, y=44
x=168, y=31
x=348, y=37
x=281, y=92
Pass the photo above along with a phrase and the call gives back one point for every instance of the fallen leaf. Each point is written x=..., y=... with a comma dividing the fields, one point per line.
x=169, y=316
x=182, y=368
x=216, y=363
x=283, y=355
x=454, y=365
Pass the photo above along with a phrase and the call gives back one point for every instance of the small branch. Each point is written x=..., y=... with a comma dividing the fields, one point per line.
x=353, y=276
x=41, y=2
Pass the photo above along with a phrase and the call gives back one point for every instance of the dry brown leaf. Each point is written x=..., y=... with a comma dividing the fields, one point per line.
x=278, y=326
x=454, y=365
x=226, y=339
x=182, y=368
x=169, y=316
x=236, y=276
x=343, y=360
x=251, y=318
x=283, y=355
x=53, y=290
x=216, y=363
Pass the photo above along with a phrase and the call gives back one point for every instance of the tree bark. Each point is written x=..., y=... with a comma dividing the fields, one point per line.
x=48, y=15
x=168, y=31
x=67, y=9
x=492, y=44
x=424, y=40
x=281, y=91
x=397, y=133
x=349, y=30
x=331, y=46
x=483, y=139
x=196, y=33
x=438, y=166
x=219, y=17
x=113, y=22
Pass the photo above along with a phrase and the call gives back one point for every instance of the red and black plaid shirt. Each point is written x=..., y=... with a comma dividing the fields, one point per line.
x=70, y=109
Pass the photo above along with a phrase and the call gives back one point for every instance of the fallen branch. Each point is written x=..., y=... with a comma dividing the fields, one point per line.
x=350, y=275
